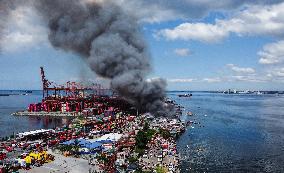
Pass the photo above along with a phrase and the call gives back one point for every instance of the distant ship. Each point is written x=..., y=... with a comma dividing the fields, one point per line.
x=242, y=92
x=185, y=95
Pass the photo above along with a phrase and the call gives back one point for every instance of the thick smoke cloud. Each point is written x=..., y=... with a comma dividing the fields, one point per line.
x=112, y=44
x=5, y=7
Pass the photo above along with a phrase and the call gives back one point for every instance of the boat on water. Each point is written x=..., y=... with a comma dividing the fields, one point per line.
x=185, y=95
x=189, y=113
x=4, y=94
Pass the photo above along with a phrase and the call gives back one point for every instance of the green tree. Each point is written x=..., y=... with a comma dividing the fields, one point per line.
x=142, y=138
x=165, y=133
x=161, y=169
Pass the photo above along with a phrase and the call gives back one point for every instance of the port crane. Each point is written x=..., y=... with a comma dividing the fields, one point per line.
x=71, y=89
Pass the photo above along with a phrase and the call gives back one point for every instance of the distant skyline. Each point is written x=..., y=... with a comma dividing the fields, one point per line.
x=194, y=45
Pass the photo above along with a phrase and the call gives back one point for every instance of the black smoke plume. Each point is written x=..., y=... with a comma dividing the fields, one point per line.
x=112, y=44
x=110, y=41
x=5, y=7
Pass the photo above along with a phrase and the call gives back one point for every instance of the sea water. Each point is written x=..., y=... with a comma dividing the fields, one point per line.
x=233, y=133
x=18, y=101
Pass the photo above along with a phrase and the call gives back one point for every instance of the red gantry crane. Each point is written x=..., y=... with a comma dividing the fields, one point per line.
x=70, y=89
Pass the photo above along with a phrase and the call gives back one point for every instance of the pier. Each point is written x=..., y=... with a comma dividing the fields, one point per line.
x=51, y=114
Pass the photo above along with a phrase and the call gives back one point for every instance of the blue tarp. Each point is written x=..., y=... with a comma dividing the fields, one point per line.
x=94, y=145
x=71, y=142
x=83, y=142
x=105, y=141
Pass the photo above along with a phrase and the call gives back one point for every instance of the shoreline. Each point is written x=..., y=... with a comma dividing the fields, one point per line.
x=49, y=114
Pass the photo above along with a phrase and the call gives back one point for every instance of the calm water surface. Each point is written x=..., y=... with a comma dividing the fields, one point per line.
x=237, y=133
x=16, y=102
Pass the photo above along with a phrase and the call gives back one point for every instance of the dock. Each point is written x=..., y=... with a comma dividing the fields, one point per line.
x=51, y=114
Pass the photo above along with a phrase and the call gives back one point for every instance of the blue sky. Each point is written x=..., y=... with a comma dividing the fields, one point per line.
x=214, y=47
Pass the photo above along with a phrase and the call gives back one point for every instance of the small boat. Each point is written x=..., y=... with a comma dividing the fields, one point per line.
x=185, y=95
x=189, y=113
x=4, y=94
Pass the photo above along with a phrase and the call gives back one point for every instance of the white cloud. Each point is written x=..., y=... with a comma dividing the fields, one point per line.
x=181, y=80
x=198, y=31
x=149, y=11
x=228, y=78
x=182, y=52
x=165, y=10
x=279, y=73
x=212, y=80
x=246, y=70
x=255, y=20
x=239, y=75
x=272, y=53
x=248, y=78
x=276, y=73
x=243, y=74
